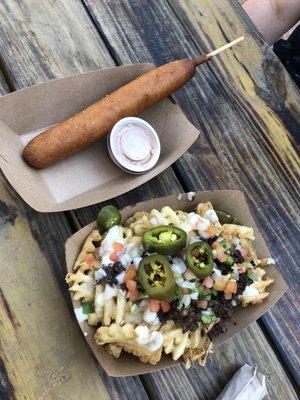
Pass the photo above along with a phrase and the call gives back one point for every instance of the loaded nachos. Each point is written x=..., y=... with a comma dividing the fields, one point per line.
x=165, y=281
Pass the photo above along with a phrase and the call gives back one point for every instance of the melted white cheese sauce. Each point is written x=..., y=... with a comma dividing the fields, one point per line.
x=151, y=341
x=211, y=215
x=108, y=293
x=178, y=266
x=150, y=317
x=99, y=274
x=114, y=234
x=80, y=315
x=250, y=291
x=191, y=196
x=132, y=246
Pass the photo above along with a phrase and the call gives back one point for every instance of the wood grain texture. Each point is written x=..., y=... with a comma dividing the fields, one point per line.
x=45, y=40
x=3, y=85
x=57, y=35
x=248, y=111
x=42, y=350
x=165, y=385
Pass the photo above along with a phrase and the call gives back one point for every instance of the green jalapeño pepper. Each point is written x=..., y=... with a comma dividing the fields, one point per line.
x=108, y=216
x=156, y=277
x=225, y=218
x=199, y=259
x=167, y=240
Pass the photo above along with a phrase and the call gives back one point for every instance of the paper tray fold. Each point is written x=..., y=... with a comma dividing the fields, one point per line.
x=234, y=202
x=89, y=176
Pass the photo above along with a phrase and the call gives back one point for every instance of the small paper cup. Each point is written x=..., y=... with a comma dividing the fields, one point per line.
x=134, y=152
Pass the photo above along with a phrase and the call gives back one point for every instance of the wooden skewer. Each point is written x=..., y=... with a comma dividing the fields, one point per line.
x=225, y=47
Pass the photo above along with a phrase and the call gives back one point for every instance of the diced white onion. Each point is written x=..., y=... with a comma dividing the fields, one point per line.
x=250, y=291
x=211, y=215
x=149, y=316
x=80, y=316
x=120, y=277
x=191, y=196
x=99, y=274
x=136, y=261
x=178, y=265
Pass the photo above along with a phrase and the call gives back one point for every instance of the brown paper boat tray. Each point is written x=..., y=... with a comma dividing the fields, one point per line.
x=89, y=176
x=232, y=201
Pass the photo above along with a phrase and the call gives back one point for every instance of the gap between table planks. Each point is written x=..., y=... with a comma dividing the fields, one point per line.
x=43, y=354
x=44, y=49
x=248, y=111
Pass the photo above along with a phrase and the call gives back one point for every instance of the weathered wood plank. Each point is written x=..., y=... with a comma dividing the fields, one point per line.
x=44, y=40
x=266, y=162
x=57, y=35
x=3, y=85
x=42, y=350
x=248, y=112
x=206, y=378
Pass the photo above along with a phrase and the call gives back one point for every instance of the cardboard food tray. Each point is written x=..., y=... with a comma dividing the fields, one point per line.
x=89, y=176
x=232, y=201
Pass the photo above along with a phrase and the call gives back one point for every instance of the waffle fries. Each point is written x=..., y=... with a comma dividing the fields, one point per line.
x=239, y=231
x=127, y=320
x=110, y=310
x=88, y=247
x=82, y=281
x=82, y=285
x=259, y=296
x=193, y=346
x=142, y=353
x=114, y=333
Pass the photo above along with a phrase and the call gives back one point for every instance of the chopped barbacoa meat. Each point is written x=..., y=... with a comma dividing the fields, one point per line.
x=187, y=318
x=222, y=308
x=217, y=329
x=242, y=283
x=210, y=240
x=112, y=271
x=237, y=256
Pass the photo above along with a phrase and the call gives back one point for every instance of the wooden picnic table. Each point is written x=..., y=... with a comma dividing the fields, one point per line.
x=247, y=110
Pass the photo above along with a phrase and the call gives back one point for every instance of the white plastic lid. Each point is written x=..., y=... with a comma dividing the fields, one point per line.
x=134, y=145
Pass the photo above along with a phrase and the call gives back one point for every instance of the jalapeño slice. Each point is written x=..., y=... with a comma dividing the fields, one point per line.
x=199, y=259
x=108, y=216
x=156, y=277
x=167, y=240
x=225, y=218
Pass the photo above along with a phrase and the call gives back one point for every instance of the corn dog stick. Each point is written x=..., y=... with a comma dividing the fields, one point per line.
x=225, y=47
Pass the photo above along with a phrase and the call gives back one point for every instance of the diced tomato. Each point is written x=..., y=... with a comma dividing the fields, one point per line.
x=134, y=295
x=217, y=246
x=243, y=252
x=165, y=307
x=206, y=290
x=208, y=282
x=202, y=304
x=132, y=288
x=227, y=296
x=211, y=230
x=222, y=257
x=154, y=305
x=182, y=253
x=227, y=236
x=241, y=268
x=231, y=287
x=114, y=256
x=130, y=274
x=220, y=284
x=89, y=259
x=131, y=285
x=117, y=247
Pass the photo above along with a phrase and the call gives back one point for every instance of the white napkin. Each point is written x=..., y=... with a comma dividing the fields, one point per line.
x=246, y=384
